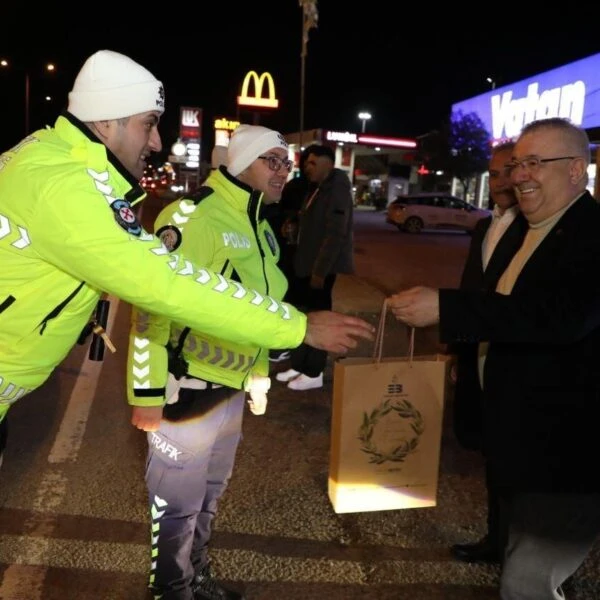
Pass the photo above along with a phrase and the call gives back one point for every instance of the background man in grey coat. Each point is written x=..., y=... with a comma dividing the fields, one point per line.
x=325, y=246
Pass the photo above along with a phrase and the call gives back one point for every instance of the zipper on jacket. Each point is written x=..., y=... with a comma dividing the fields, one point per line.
x=7, y=302
x=59, y=307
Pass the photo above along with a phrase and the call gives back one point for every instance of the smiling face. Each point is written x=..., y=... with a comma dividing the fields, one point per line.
x=132, y=139
x=259, y=176
x=545, y=189
x=501, y=189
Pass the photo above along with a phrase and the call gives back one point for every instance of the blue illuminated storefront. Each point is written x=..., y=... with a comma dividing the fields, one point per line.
x=571, y=91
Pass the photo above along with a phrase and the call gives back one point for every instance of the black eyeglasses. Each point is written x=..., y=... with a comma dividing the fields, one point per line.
x=532, y=164
x=275, y=163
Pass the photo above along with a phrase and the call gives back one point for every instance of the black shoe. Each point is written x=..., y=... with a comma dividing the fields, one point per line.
x=206, y=587
x=276, y=356
x=482, y=551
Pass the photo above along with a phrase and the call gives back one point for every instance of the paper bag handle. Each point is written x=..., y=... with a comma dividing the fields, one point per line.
x=378, y=350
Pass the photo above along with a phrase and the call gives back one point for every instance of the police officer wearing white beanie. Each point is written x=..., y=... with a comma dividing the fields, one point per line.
x=121, y=102
x=248, y=175
x=112, y=86
x=66, y=193
x=249, y=142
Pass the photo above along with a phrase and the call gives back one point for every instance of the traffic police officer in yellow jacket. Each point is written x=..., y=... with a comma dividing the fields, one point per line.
x=68, y=233
x=192, y=453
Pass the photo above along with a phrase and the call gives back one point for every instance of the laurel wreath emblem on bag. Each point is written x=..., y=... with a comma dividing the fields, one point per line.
x=405, y=410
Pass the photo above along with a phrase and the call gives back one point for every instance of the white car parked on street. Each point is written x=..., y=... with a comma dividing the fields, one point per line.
x=433, y=210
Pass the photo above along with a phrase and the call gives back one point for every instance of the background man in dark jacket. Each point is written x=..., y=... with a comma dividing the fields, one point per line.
x=541, y=377
x=495, y=240
x=325, y=246
x=283, y=217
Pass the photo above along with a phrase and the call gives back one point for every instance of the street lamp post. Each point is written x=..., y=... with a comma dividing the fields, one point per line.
x=310, y=19
x=49, y=67
x=492, y=82
x=364, y=117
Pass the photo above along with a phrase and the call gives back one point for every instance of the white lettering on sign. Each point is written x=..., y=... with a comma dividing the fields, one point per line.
x=235, y=240
x=510, y=115
x=189, y=117
x=342, y=136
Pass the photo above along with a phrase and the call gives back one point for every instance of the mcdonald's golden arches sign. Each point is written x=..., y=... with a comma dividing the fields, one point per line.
x=260, y=82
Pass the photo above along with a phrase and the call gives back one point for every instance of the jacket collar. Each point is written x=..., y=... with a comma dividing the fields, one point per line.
x=97, y=155
x=236, y=193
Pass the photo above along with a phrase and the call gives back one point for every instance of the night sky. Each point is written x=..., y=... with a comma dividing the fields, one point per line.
x=404, y=65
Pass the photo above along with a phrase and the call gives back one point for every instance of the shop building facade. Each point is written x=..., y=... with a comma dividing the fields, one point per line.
x=379, y=167
x=571, y=91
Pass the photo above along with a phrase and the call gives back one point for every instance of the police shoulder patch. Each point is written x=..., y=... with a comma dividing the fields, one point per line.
x=125, y=217
x=170, y=236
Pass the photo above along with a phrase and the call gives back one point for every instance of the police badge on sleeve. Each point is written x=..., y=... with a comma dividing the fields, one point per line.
x=125, y=217
x=170, y=236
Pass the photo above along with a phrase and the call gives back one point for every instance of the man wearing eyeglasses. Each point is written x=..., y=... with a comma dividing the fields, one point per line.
x=325, y=248
x=493, y=244
x=541, y=376
x=190, y=391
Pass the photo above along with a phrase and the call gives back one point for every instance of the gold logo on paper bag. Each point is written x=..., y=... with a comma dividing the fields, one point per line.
x=407, y=445
x=259, y=83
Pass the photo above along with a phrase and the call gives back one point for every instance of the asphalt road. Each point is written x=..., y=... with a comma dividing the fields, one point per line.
x=73, y=513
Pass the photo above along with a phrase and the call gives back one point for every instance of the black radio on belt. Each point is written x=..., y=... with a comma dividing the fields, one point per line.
x=98, y=328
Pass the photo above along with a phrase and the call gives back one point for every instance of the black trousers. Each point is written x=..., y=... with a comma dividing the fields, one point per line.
x=497, y=516
x=306, y=359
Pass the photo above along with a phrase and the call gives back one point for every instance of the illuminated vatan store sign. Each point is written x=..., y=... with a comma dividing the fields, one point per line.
x=571, y=91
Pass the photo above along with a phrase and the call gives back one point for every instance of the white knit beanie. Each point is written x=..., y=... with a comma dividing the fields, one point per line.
x=112, y=86
x=218, y=156
x=248, y=142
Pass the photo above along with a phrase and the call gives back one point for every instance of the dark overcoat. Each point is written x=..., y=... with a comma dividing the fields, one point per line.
x=541, y=411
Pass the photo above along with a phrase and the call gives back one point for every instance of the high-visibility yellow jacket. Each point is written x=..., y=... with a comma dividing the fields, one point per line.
x=67, y=234
x=222, y=228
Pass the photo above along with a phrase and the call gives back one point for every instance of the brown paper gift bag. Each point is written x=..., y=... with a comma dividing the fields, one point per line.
x=386, y=430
